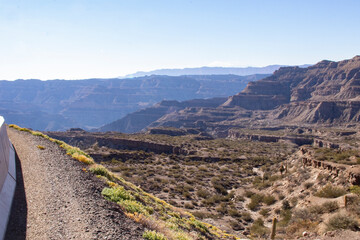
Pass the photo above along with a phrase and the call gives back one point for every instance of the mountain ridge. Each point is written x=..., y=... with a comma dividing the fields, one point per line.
x=58, y=105
x=325, y=93
x=241, y=71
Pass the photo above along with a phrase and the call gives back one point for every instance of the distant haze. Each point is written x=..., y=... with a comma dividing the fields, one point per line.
x=240, y=71
x=91, y=103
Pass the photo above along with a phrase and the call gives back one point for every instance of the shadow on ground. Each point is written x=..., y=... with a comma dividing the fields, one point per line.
x=16, y=228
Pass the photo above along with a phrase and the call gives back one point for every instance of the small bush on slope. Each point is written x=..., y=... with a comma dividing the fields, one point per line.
x=342, y=221
x=74, y=152
x=330, y=191
x=102, y=171
x=152, y=235
x=116, y=194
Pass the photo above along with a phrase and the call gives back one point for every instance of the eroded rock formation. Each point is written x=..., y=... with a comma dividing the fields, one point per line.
x=352, y=173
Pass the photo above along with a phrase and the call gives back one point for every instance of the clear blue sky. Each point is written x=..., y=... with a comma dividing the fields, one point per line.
x=72, y=39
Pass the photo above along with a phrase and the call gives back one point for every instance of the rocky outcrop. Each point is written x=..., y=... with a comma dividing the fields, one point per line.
x=167, y=131
x=352, y=173
x=256, y=102
x=270, y=138
x=323, y=81
x=325, y=144
x=319, y=112
x=270, y=92
x=298, y=140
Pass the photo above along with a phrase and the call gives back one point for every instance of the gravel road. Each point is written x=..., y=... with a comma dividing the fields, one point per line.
x=56, y=199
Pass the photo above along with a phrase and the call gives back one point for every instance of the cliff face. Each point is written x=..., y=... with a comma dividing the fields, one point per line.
x=325, y=81
x=325, y=93
x=350, y=172
x=331, y=112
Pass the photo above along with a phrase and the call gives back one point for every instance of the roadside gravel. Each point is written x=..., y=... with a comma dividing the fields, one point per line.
x=61, y=200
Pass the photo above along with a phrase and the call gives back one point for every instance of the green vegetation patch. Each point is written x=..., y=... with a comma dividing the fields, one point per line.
x=338, y=156
x=330, y=191
x=116, y=194
x=153, y=235
x=74, y=152
x=342, y=221
x=102, y=171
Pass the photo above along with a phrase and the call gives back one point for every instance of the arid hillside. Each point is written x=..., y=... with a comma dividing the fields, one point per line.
x=326, y=93
x=240, y=183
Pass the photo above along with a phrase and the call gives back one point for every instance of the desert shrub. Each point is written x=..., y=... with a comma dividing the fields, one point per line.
x=217, y=198
x=330, y=206
x=102, y=171
x=293, y=201
x=189, y=205
x=233, y=212
x=277, y=210
x=285, y=217
x=322, y=177
x=269, y=200
x=274, y=178
x=19, y=128
x=220, y=184
x=342, y=221
x=133, y=206
x=305, y=214
x=152, y=185
x=220, y=189
x=83, y=158
x=188, y=188
x=246, y=216
x=265, y=212
x=203, y=193
x=256, y=199
x=298, y=227
x=240, y=198
x=330, y=191
x=355, y=189
x=308, y=185
x=258, y=229
x=172, y=202
x=189, y=181
x=316, y=209
x=222, y=208
x=153, y=235
x=236, y=225
x=116, y=194
x=201, y=215
x=281, y=197
x=285, y=205
x=187, y=195
x=248, y=193
x=198, y=225
x=353, y=204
